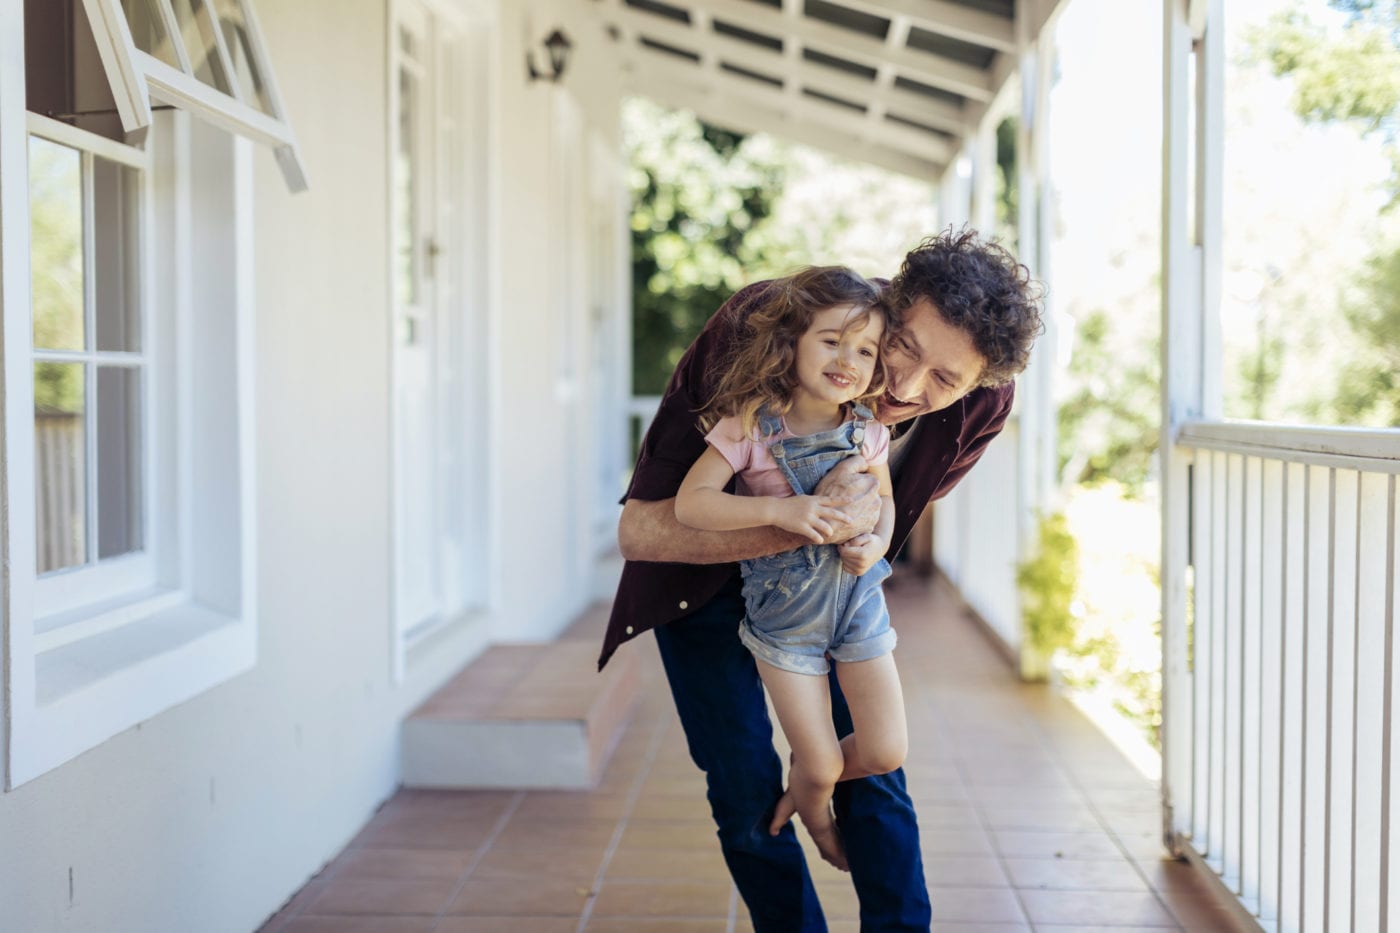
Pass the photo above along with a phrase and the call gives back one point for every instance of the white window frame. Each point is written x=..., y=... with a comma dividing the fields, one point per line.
x=73, y=681
x=137, y=78
x=62, y=592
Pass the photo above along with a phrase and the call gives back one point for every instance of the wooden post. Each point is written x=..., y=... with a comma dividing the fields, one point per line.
x=1191, y=262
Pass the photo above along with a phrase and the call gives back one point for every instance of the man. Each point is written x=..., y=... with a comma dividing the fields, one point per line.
x=963, y=317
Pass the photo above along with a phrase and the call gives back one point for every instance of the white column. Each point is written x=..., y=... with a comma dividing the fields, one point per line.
x=1191, y=225
x=1035, y=211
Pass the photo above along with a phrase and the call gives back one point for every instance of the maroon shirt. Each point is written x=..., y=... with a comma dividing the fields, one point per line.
x=943, y=445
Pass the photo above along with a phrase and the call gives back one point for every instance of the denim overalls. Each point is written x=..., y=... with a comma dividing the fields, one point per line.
x=800, y=605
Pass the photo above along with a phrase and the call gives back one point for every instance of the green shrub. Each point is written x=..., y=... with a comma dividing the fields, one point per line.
x=1047, y=582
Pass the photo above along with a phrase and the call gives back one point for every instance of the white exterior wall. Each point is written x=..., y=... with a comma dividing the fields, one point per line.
x=976, y=536
x=210, y=815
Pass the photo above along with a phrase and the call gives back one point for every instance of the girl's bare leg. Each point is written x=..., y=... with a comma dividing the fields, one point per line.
x=803, y=705
x=880, y=739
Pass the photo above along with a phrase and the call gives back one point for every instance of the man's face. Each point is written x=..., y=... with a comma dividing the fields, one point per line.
x=930, y=365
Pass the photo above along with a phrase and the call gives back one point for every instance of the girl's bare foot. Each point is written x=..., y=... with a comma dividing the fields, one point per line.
x=828, y=842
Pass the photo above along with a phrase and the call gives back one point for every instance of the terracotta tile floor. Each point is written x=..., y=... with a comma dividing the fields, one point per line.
x=1030, y=820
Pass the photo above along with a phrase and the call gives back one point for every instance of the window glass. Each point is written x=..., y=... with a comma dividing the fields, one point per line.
x=197, y=29
x=60, y=465
x=119, y=467
x=57, y=262
x=240, y=49
x=115, y=247
x=406, y=184
x=148, y=30
x=85, y=248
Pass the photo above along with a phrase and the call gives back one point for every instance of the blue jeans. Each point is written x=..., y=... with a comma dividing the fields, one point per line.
x=719, y=697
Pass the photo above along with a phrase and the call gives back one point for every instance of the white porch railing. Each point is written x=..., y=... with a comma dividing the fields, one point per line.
x=641, y=409
x=1280, y=771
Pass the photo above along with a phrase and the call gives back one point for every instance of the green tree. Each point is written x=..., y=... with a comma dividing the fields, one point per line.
x=1108, y=425
x=56, y=277
x=1368, y=389
x=697, y=195
x=1349, y=73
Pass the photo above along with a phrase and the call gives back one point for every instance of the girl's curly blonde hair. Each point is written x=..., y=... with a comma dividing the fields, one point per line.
x=760, y=372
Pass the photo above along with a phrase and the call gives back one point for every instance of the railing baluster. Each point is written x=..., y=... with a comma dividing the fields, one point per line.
x=1290, y=857
x=1317, y=539
x=1234, y=674
x=1390, y=858
x=1203, y=654
x=1269, y=599
x=1250, y=792
x=1343, y=699
x=1219, y=572
x=1371, y=536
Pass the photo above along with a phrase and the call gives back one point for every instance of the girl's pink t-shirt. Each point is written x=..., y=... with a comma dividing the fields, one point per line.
x=758, y=472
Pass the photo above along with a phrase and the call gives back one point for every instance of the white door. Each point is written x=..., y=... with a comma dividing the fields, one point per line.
x=417, y=244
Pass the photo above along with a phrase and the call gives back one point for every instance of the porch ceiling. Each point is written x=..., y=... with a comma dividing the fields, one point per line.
x=896, y=83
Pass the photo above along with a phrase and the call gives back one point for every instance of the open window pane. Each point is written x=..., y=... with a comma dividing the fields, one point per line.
x=60, y=465
x=240, y=49
x=197, y=30
x=148, y=30
x=116, y=246
x=406, y=190
x=119, y=498
x=224, y=75
x=56, y=245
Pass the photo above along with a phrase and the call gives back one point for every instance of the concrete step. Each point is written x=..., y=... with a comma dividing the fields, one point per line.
x=526, y=716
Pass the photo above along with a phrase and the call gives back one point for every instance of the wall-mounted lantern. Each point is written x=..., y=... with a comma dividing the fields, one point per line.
x=557, y=47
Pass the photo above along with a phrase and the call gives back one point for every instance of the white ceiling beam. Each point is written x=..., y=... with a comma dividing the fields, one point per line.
x=792, y=51
x=916, y=143
x=743, y=116
x=946, y=19
x=884, y=75
x=932, y=70
x=936, y=113
x=700, y=21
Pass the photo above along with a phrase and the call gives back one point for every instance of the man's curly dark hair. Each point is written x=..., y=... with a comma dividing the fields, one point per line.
x=980, y=288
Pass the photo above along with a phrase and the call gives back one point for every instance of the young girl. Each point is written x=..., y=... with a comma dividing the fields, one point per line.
x=792, y=403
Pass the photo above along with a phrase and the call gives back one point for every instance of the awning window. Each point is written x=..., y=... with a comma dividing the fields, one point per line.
x=204, y=56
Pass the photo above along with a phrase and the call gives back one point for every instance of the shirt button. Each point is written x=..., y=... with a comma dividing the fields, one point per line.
x=629, y=630
x=685, y=605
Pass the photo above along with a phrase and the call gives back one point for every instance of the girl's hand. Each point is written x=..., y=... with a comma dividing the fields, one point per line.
x=809, y=516
x=861, y=553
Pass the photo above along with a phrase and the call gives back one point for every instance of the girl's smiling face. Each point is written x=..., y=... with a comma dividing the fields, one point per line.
x=837, y=355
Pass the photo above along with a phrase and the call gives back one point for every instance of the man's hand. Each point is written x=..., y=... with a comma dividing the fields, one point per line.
x=813, y=517
x=858, y=493
x=861, y=553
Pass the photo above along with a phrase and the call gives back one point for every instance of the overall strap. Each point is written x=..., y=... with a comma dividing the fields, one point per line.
x=862, y=415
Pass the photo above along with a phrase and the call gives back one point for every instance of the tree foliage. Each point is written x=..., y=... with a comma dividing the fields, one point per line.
x=1048, y=581
x=1343, y=73
x=56, y=258
x=1108, y=425
x=1368, y=389
x=1348, y=72
x=697, y=194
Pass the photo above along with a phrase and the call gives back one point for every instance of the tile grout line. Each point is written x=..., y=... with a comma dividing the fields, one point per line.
x=633, y=794
x=334, y=867
x=1053, y=751
x=480, y=854
x=977, y=806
